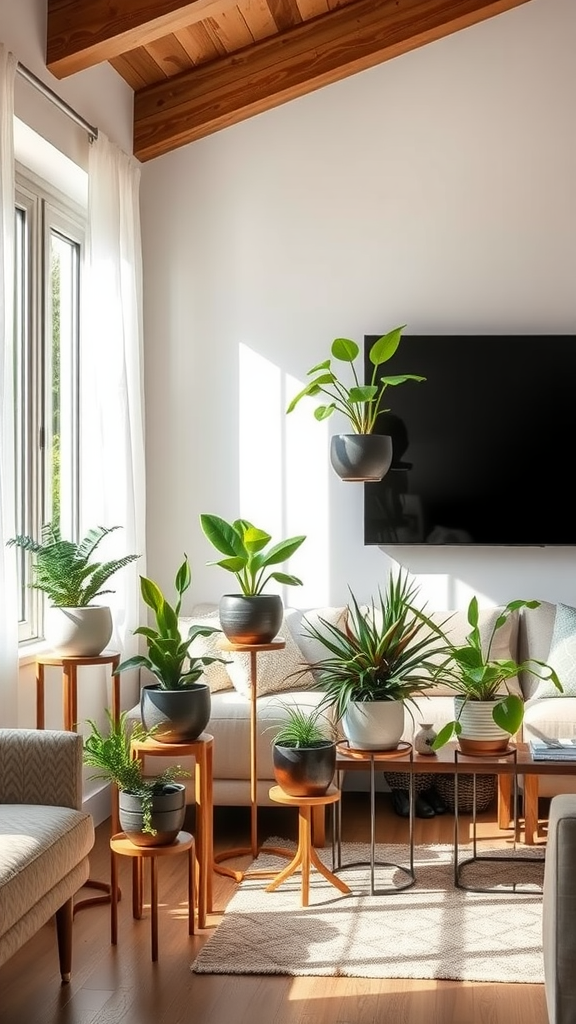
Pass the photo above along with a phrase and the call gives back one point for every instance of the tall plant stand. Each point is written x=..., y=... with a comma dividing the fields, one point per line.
x=253, y=650
x=70, y=666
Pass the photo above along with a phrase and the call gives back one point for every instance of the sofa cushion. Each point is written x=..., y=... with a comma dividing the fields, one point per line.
x=216, y=674
x=535, y=638
x=298, y=620
x=562, y=655
x=39, y=845
x=230, y=726
x=277, y=671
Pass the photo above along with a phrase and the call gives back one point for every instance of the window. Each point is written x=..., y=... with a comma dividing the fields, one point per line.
x=49, y=241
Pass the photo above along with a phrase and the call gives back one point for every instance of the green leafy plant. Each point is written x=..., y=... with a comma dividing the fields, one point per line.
x=303, y=728
x=168, y=652
x=380, y=654
x=110, y=754
x=64, y=570
x=474, y=675
x=248, y=555
x=360, y=403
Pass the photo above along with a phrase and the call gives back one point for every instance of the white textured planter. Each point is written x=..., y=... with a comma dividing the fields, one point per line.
x=78, y=632
x=374, y=725
x=480, y=734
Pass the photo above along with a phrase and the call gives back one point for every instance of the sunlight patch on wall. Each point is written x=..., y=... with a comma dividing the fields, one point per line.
x=284, y=473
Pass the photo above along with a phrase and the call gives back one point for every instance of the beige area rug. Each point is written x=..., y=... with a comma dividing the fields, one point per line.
x=431, y=930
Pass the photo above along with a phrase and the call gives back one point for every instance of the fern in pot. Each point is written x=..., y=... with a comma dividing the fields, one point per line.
x=151, y=810
x=178, y=704
x=73, y=580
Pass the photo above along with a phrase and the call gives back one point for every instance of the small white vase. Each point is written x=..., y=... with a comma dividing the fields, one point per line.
x=78, y=632
x=374, y=724
x=424, y=738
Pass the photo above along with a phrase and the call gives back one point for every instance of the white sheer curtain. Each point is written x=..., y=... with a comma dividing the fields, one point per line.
x=112, y=412
x=8, y=584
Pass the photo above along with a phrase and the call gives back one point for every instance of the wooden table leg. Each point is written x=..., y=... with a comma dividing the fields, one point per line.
x=39, y=695
x=204, y=820
x=154, y=905
x=531, y=808
x=113, y=899
x=504, y=800
x=191, y=892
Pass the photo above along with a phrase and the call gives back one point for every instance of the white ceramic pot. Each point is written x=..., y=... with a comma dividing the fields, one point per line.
x=78, y=632
x=374, y=725
x=480, y=734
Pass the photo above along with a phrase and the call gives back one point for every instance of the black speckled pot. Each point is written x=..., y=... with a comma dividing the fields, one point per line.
x=179, y=715
x=304, y=771
x=251, y=620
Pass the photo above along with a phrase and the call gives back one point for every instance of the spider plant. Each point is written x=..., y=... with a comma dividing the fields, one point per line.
x=381, y=654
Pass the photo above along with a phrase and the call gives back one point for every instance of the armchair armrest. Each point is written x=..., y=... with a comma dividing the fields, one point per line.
x=41, y=766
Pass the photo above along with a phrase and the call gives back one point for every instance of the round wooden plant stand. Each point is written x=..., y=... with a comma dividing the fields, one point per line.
x=305, y=857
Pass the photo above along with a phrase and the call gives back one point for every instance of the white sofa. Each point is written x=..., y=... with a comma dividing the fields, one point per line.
x=283, y=677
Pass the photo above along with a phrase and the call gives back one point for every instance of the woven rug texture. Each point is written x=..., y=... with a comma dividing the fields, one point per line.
x=431, y=930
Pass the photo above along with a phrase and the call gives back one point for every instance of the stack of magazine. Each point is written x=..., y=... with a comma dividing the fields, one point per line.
x=553, y=750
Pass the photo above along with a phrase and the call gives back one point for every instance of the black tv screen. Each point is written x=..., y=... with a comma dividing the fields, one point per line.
x=484, y=448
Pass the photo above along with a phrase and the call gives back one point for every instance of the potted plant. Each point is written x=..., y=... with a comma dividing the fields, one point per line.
x=304, y=752
x=151, y=810
x=178, y=705
x=72, y=580
x=487, y=711
x=377, y=661
x=362, y=455
x=250, y=617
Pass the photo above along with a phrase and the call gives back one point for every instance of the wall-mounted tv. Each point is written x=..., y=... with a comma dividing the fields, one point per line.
x=484, y=448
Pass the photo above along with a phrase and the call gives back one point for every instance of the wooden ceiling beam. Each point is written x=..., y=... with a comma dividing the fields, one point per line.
x=82, y=33
x=326, y=49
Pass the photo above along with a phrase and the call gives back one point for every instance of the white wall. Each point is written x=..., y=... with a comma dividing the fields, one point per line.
x=439, y=190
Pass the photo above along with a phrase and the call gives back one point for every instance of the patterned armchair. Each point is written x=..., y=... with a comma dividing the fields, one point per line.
x=45, y=837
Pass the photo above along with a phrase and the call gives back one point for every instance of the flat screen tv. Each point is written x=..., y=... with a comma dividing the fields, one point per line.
x=484, y=448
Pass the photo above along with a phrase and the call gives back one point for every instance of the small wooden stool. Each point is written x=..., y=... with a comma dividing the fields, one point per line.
x=121, y=845
x=305, y=855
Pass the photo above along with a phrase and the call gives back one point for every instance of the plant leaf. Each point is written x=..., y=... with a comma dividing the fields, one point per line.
x=384, y=348
x=345, y=350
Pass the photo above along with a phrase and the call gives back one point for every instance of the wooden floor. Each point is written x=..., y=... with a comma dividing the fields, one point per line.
x=120, y=985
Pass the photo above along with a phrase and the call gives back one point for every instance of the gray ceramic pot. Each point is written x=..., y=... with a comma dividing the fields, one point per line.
x=361, y=457
x=178, y=715
x=251, y=620
x=168, y=812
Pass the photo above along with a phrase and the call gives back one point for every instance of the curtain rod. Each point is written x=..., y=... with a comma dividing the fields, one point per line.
x=51, y=95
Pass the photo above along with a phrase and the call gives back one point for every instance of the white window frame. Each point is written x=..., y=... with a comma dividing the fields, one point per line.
x=47, y=210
